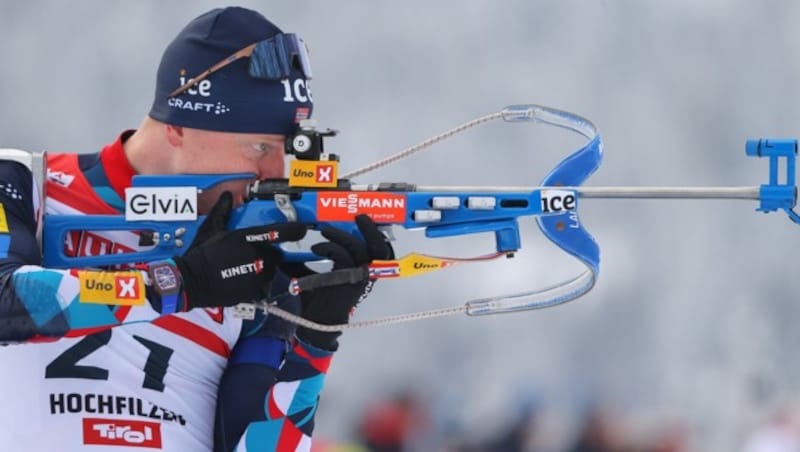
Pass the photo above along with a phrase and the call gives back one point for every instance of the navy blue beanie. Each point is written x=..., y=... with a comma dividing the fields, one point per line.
x=229, y=100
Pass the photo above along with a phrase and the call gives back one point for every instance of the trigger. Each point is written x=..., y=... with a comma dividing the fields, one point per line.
x=284, y=204
x=388, y=232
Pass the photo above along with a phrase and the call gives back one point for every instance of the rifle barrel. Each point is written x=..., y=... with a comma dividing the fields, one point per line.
x=643, y=192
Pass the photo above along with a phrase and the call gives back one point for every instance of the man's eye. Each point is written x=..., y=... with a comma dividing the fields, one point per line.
x=262, y=147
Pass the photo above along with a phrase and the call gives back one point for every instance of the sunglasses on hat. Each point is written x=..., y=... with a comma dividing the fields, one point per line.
x=271, y=59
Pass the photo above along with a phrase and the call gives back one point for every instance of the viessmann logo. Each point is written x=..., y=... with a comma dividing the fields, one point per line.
x=344, y=206
x=120, y=432
x=160, y=203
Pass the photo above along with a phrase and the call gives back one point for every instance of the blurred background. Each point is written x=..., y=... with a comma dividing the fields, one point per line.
x=689, y=340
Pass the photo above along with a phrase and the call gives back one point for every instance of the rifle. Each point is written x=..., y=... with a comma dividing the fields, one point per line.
x=163, y=209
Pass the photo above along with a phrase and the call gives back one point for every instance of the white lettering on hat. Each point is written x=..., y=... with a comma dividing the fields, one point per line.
x=202, y=88
x=300, y=90
x=218, y=108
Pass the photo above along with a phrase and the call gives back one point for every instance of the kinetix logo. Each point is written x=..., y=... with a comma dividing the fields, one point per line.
x=253, y=267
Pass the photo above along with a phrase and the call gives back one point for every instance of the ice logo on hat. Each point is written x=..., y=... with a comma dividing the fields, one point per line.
x=300, y=90
x=203, y=89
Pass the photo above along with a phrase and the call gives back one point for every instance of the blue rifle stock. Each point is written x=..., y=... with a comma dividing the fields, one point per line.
x=441, y=214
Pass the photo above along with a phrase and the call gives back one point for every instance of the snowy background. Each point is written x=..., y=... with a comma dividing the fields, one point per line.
x=693, y=320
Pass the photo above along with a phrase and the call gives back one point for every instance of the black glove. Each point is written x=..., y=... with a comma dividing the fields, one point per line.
x=227, y=268
x=332, y=305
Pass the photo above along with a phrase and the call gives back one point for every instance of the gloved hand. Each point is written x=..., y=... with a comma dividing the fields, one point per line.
x=225, y=268
x=332, y=305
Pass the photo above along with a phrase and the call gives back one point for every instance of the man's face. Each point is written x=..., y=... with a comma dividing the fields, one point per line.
x=206, y=152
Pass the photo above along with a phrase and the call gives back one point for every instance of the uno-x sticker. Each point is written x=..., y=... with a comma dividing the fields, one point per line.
x=345, y=205
x=113, y=288
x=410, y=265
x=311, y=173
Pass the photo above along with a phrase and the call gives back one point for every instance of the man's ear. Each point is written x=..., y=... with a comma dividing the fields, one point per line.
x=174, y=135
